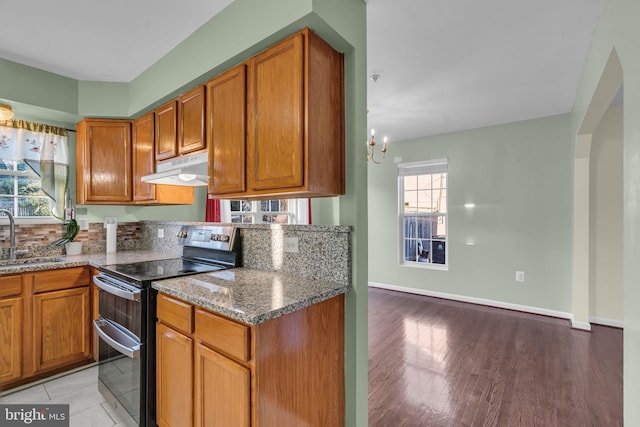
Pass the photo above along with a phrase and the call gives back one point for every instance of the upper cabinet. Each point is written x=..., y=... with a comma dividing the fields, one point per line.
x=227, y=118
x=191, y=121
x=294, y=123
x=180, y=125
x=167, y=130
x=112, y=156
x=103, y=161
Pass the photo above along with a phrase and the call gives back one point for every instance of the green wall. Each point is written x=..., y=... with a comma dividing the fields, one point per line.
x=244, y=28
x=519, y=177
x=618, y=29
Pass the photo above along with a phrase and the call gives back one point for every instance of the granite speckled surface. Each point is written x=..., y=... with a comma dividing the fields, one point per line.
x=250, y=296
x=51, y=263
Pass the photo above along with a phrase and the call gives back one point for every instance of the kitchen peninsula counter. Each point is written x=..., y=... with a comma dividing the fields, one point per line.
x=248, y=295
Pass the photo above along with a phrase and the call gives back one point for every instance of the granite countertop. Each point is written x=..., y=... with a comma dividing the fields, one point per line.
x=26, y=265
x=250, y=296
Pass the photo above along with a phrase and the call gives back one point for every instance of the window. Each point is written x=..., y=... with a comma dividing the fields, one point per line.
x=423, y=213
x=277, y=211
x=20, y=191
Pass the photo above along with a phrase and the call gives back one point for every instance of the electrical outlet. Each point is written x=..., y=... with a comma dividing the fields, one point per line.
x=160, y=233
x=519, y=276
x=291, y=244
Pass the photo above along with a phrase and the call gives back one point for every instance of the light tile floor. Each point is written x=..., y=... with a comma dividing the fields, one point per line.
x=87, y=407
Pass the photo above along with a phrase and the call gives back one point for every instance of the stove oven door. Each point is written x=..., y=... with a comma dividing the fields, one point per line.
x=122, y=346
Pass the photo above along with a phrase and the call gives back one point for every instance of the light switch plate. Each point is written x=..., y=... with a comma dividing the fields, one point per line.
x=291, y=244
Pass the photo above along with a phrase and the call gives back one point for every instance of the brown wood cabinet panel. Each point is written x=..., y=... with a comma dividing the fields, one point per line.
x=11, y=344
x=144, y=164
x=143, y=157
x=224, y=335
x=276, y=117
x=167, y=131
x=10, y=286
x=175, y=313
x=191, y=127
x=308, y=342
x=226, y=131
x=174, y=377
x=63, y=278
x=222, y=390
x=103, y=161
x=61, y=328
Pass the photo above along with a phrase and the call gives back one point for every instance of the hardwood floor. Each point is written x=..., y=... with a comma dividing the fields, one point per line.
x=435, y=362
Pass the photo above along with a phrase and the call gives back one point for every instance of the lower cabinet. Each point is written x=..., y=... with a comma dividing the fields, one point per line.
x=174, y=387
x=11, y=349
x=222, y=390
x=45, y=321
x=61, y=334
x=215, y=371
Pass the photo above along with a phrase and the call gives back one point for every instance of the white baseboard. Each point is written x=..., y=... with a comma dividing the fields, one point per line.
x=480, y=301
x=583, y=326
x=607, y=322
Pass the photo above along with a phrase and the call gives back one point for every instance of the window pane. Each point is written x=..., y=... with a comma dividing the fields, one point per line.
x=438, y=252
x=245, y=219
x=410, y=227
x=410, y=250
x=264, y=205
x=275, y=219
x=34, y=206
x=6, y=203
x=410, y=183
x=28, y=186
x=439, y=180
x=410, y=202
x=6, y=184
x=424, y=201
x=424, y=182
x=234, y=205
x=441, y=228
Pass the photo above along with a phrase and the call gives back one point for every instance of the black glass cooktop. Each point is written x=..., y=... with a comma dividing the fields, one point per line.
x=143, y=273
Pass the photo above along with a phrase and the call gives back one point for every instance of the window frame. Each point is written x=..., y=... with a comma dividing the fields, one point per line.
x=427, y=167
x=28, y=173
x=298, y=211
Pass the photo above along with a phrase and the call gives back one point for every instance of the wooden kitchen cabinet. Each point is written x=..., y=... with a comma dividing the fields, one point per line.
x=103, y=161
x=295, y=123
x=45, y=324
x=191, y=114
x=227, y=119
x=62, y=334
x=143, y=131
x=166, y=131
x=222, y=390
x=180, y=127
x=11, y=329
x=284, y=372
x=174, y=363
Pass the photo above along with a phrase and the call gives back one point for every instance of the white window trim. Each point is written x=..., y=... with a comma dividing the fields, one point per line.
x=420, y=168
x=299, y=211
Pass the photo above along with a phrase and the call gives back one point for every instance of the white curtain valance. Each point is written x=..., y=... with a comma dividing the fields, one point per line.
x=45, y=150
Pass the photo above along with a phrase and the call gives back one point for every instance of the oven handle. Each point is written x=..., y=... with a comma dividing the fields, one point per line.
x=131, y=351
x=120, y=290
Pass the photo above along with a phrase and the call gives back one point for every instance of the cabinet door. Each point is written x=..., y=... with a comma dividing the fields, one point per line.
x=222, y=390
x=174, y=377
x=143, y=157
x=11, y=347
x=191, y=121
x=61, y=327
x=226, y=113
x=276, y=117
x=104, y=161
x=166, y=131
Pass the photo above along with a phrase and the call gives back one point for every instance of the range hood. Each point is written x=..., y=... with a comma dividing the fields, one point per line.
x=190, y=171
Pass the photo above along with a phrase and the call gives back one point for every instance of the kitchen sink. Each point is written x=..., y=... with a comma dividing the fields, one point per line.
x=27, y=261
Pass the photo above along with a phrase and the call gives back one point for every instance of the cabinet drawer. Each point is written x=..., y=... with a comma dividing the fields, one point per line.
x=222, y=334
x=176, y=313
x=10, y=286
x=64, y=278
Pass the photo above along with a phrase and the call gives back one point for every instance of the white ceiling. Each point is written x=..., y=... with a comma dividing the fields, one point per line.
x=448, y=65
x=444, y=65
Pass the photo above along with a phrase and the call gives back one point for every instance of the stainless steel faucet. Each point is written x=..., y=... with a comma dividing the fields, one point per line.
x=12, y=234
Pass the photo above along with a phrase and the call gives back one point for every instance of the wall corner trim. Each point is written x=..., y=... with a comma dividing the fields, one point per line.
x=583, y=326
